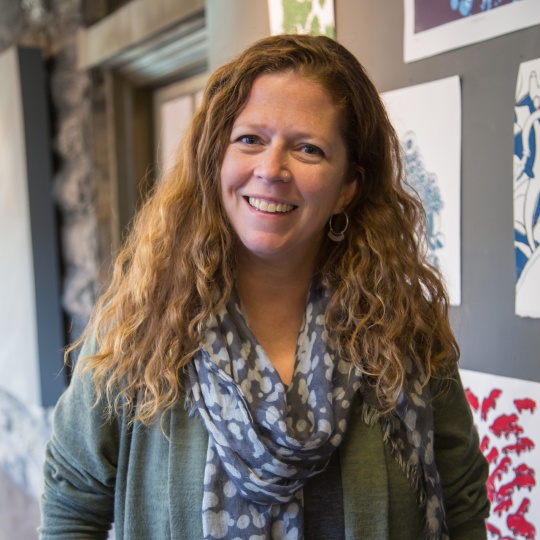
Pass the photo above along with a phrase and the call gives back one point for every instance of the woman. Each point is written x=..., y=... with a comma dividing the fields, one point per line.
x=273, y=357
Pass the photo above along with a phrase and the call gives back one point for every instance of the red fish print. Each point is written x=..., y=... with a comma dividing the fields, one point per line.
x=493, y=455
x=523, y=444
x=505, y=424
x=472, y=399
x=484, y=445
x=524, y=481
x=493, y=530
x=526, y=404
x=503, y=506
x=489, y=402
x=518, y=524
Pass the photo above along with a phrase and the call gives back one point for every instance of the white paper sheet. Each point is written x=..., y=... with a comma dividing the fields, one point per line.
x=474, y=21
x=526, y=184
x=427, y=118
x=506, y=415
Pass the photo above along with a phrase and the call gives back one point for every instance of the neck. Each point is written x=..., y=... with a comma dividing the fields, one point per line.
x=274, y=299
x=269, y=281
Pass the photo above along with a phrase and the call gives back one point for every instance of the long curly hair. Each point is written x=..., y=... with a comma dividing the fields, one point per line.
x=176, y=268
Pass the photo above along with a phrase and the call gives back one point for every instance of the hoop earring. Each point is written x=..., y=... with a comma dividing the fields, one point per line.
x=337, y=236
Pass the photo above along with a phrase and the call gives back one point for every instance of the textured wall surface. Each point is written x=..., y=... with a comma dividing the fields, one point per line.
x=53, y=27
x=24, y=430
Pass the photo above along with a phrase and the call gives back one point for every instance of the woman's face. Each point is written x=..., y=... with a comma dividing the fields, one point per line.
x=284, y=170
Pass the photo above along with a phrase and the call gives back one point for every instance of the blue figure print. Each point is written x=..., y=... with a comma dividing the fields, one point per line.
x=527, y=184
x=465, y=7
x=424, y=183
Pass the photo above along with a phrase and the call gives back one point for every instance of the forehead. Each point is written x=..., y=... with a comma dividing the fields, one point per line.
x=287, y=93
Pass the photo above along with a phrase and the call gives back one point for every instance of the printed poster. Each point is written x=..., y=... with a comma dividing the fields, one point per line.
x=427, y=118
x=527, y=189
x=506, y=415
x=314, y=17
x=435, y=27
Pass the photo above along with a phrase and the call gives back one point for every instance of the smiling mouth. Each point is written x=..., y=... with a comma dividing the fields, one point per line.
x=269, y=207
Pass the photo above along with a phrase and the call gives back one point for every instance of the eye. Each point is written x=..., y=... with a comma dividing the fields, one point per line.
x=248, y=139
x=311, y=150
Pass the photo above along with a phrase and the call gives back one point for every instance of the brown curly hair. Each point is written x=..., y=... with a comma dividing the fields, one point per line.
x=177, y=265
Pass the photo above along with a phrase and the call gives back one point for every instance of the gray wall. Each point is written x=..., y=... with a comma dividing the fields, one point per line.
x=232, y=26
x=491, y=337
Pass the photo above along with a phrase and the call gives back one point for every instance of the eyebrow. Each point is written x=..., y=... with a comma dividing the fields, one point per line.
x=294, y=134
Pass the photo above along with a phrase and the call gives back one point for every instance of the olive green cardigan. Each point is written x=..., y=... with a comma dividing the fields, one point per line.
x=151, y=486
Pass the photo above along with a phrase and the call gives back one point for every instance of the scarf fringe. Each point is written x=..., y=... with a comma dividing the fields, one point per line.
x=372, y=416
x=412, y=470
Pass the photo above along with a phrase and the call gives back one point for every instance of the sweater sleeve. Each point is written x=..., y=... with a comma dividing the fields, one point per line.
x=461, y=464
x=80, y=465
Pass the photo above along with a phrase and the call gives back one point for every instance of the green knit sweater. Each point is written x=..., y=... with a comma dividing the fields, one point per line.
x=151, y=486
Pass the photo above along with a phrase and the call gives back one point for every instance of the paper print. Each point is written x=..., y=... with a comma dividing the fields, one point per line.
x=506, y=416
x=435, y=27
x=527, y=189
x=428, y=14
x=314, y=17
x=425, y=183
x=427, y=119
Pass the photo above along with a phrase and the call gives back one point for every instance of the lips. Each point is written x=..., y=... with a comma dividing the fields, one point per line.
x=270, y=207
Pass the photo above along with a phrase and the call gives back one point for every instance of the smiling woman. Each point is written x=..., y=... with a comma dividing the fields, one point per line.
x=274, y=352
x=281, y=154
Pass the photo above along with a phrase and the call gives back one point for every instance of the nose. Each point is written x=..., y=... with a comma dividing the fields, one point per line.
x=272, y=165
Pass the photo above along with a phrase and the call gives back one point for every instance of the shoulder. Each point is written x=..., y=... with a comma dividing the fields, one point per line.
x=82, y=414
x=449, y=401
x=460, y=462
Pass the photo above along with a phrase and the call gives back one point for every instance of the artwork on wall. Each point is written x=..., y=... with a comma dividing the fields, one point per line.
x=302, y=17
x=505, y=412
x=527, y=189
x=427, y=118
x=435, y=27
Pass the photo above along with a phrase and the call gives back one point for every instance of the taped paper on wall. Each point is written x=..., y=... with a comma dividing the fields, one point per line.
x=302, y=17
x=506, y=416
x=427, y=118
x=527, y=189
x=435, y=27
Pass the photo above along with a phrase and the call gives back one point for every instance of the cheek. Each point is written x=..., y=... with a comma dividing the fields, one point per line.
x=332, y=188
x=231, y=174
x=223, y=175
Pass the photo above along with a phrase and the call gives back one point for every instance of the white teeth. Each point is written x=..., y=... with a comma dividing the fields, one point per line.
x=271, y=208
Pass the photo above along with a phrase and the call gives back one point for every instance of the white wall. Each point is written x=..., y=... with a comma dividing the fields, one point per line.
x=19, y=368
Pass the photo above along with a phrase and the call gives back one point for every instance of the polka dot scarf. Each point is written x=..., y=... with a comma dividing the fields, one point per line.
x=266, y=440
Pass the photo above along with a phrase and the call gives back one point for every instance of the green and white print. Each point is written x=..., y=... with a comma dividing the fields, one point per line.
x=314, y=17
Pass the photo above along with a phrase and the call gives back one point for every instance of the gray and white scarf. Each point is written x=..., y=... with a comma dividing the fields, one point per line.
x=266, y=440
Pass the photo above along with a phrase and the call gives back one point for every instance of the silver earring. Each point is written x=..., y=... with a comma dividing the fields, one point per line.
x=337, y=236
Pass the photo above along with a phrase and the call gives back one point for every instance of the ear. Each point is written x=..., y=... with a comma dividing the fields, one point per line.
x=348, y=191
